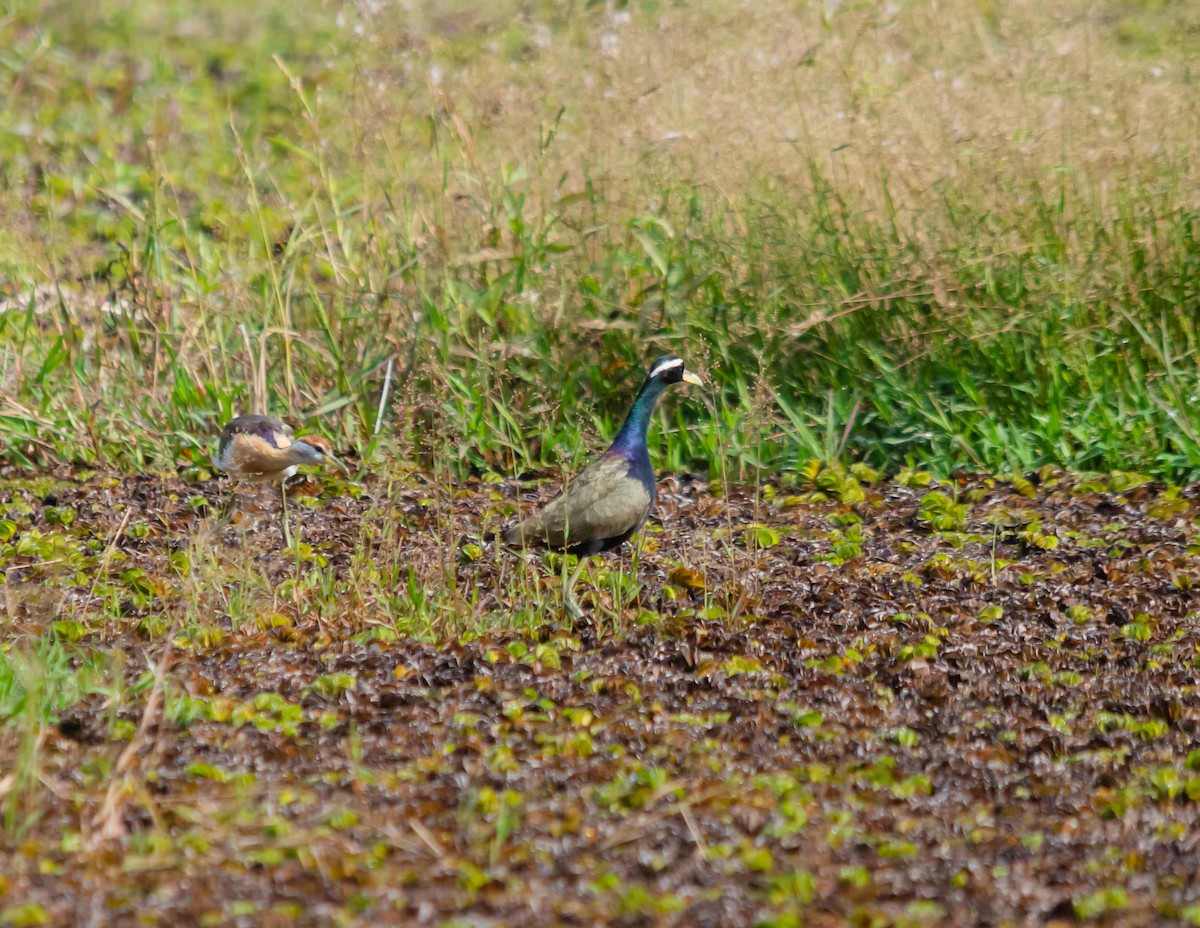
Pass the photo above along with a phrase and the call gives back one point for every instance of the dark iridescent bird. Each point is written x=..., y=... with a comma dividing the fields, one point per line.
x=610, y=498
x=259, y=449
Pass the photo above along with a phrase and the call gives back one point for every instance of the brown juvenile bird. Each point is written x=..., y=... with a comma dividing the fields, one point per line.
x=610, y=498
x=258, y=449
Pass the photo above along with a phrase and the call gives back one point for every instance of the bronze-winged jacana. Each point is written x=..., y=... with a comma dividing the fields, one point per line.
x=610, y=498
x=259, y=449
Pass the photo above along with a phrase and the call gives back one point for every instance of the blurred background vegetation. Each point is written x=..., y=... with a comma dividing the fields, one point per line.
x=963, y=235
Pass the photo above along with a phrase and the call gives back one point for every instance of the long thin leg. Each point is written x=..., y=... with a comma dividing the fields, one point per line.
x=635, y=564
x=569, y=598
x=283, y=514
x=225, y=515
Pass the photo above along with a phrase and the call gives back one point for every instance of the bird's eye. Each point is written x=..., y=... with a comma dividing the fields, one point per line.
x=666, y=366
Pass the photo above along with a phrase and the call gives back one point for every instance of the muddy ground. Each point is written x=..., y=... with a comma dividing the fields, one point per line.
x=971, y=704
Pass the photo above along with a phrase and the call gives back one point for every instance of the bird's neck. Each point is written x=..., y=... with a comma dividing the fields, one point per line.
x=631, y=440
x=299, y=453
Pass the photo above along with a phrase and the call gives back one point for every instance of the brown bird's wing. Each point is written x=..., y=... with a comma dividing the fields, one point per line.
x=259, y=452
x=275, y=433
x=603, y=501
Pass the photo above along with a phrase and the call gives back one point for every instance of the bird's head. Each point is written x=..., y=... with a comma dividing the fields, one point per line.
x=313, y=449
x=669, y=369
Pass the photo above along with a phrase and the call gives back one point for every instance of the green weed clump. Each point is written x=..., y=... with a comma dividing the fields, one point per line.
x=461, y=235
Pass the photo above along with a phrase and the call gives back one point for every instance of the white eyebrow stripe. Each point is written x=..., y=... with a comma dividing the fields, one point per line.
x=666, y=366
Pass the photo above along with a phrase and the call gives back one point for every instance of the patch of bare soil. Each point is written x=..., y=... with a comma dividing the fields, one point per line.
x=887, y=711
